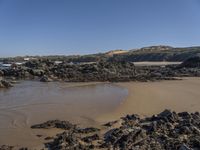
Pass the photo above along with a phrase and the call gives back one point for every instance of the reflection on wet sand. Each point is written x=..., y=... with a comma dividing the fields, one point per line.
x=33, y=102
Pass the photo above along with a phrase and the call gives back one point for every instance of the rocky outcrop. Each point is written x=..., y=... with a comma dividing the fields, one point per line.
x=165, y=131
x=113, y=71
x=54, y=124
x=193, y=62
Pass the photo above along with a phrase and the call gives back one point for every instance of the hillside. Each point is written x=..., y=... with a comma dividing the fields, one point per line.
x=152, y=53
x=158, y=53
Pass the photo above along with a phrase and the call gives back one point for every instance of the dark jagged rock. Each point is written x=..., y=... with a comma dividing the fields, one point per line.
x=54, y=124
x=113, y=71
x=37, y=72
x=45, y=79
x=5, y=84
x=110, y=124
x=89, y=139
x=88, y=130
x=165, y=131
x=193, y=62
x=6, y=147
x=67, y=140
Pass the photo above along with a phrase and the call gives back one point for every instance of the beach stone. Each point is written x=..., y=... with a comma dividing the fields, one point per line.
x=5, y=84
x=45, y=79
x=6, y=147
x=110, y=124
x=184, y=147
x=88, y=130
x=54, y=124
x=89, y=139
x=66, y=141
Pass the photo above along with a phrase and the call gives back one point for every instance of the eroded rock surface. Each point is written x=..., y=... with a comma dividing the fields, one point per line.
x=165, y=131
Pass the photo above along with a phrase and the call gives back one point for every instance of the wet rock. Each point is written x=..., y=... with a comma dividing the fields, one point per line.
x=48, y=138
x=113, y=71
x=66, y=141
x=6, y=147
x=54, y=124
x=88, y=130
x=168, y=116
x=5, y=84
x=132, y=117
x=124, y=138
x=167, y=130
x=89, y=139
x=36, y=72
x=184, y=147
x=45, y=79
x=184, y=115
x=193, y=62
x=110, y=124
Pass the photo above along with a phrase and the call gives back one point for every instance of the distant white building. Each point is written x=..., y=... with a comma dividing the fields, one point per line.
x=19, y=63
x=26, y=59
x=58, y=62
x=29, y=58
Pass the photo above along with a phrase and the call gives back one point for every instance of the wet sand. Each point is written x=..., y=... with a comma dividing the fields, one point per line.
x=148, y=98
x=32, y=102
x=87, y=104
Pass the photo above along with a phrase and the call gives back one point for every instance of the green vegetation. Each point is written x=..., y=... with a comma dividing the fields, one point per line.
x=153, y=53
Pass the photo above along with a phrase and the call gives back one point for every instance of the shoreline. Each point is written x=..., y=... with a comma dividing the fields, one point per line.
x=177, y=95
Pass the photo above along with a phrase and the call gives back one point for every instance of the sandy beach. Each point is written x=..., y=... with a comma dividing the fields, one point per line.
x=148, y=98
x=96, y=102
x=31, y=102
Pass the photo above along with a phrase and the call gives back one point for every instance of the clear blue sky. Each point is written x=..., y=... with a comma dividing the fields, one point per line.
x=45, y=27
